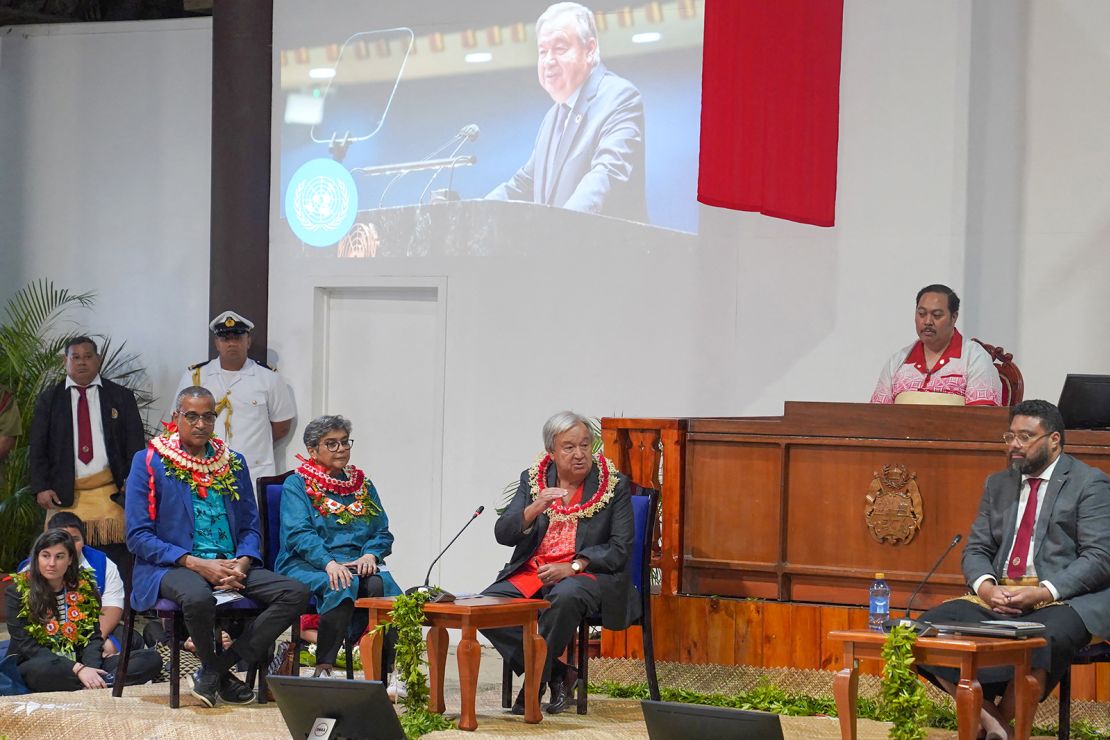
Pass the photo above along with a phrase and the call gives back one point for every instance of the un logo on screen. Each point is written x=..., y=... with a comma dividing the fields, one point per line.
x=321, y=202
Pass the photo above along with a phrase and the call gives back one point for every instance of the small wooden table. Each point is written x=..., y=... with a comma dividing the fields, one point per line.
x=967, y=653
x=468, y=615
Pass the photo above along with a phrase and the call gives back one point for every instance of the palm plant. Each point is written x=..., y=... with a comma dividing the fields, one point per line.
x=31, y=342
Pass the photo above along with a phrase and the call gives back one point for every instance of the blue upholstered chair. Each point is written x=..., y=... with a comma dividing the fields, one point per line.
x=645, y=509
x=169, y=611
x=269, y=512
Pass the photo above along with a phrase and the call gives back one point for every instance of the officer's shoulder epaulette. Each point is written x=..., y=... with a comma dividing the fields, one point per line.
x=199, y=365
x=268, y=366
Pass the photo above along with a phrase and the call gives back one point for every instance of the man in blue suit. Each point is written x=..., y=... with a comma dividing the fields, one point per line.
x=589, y=153
x=192, y=524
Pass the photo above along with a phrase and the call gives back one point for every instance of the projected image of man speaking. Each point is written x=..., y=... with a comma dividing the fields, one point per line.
x=589, y=152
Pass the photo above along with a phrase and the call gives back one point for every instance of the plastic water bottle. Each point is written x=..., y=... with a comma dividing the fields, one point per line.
x=879, y=603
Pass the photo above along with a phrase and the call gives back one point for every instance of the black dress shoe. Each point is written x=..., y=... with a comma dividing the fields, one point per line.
x=518, y=705
x=560, y=698
x=234, y=691
x=206, y=686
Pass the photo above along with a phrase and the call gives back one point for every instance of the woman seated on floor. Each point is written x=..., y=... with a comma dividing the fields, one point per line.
x=54, y=620
x=334, y=536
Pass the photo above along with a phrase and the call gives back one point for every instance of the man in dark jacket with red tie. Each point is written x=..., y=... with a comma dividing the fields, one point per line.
x=84, y=432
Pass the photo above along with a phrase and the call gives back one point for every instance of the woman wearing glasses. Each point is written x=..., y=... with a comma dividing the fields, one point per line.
x=335, y=535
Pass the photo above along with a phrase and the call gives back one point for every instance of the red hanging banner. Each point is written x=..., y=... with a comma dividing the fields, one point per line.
x=771, y=107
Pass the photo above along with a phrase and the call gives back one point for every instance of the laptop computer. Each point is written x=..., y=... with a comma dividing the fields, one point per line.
x=361, y=709
x=676, y=721
x=992, y=628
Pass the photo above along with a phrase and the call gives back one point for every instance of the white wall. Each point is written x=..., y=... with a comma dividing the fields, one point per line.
x=104, y=178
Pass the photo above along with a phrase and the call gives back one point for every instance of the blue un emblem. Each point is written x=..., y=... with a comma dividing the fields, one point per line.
x=321, y=202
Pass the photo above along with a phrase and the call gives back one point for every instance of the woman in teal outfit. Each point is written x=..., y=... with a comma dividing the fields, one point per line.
x=334, y=535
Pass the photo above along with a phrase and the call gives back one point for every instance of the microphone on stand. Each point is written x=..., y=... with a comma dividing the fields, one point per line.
x=439, y=594
x=466, y=135
x=921, y=628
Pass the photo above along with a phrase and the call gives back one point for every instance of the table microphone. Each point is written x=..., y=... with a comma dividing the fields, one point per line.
x=439, y=595
x=921, y=628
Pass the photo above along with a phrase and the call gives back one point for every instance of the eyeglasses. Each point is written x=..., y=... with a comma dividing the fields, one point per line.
x=192, y=418
x=334, y=444
x=1022, y=438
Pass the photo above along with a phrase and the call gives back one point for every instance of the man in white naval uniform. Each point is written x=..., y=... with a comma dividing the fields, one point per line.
x=254, y=403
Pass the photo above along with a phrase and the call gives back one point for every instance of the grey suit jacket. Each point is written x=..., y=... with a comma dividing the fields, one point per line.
x=1071, y=539
x=599, y=164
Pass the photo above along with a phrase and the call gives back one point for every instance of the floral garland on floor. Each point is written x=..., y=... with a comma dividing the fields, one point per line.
x=79, y=623
x=202, y=474
x=317, y=484
x=606, y=485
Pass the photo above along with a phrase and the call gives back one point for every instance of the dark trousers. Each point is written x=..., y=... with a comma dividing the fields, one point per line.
x=1064, y=631
x=571, y=599
x=50, y=672
x=346, y=621
x=284, y=599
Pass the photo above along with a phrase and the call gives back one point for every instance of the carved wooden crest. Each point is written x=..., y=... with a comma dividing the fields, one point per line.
x=893, y=509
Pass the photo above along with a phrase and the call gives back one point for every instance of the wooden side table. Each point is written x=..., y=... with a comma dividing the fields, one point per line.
x=468, y=615
x=969, y=654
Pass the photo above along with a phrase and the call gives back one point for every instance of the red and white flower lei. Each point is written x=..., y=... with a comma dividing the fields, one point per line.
x=317, y=484
x=201, y=473
x=606, y=485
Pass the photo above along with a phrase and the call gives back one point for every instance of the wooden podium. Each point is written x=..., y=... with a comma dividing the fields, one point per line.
x=773, y=527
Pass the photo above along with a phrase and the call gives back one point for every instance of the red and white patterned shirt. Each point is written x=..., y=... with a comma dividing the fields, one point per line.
x=965, y=369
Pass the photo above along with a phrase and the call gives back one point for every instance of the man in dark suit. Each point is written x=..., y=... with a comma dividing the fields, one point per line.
x=571, y=525
x=1039, y=551
x=589, y=153
x=84, y=432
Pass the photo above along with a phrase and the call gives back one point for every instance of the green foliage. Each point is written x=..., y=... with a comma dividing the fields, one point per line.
x=33, y=330
x=902, y=692
x=407, y=617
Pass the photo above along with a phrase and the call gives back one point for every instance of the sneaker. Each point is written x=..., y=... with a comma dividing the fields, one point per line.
x=205, y=686
x=396, y=689
x=234, y=691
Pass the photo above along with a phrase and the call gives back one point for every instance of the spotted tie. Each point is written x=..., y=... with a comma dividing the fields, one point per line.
x=1015, y=569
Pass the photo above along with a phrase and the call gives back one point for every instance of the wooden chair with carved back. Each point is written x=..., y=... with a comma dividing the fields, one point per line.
x=1013, y=386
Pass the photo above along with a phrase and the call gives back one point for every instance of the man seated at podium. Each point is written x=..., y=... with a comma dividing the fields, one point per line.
x=571, y=523
x=1039, y=551
x=941, y=367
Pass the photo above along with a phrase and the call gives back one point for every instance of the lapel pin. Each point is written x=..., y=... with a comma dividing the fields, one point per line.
x=115, y=414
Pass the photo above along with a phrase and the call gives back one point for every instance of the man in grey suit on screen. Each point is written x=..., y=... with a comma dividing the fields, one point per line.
x=589, y=153
x=1039, y=551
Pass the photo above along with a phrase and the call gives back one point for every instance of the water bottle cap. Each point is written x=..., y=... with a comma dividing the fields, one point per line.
x=880, y=576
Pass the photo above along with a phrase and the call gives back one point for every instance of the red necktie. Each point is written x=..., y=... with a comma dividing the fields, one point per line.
x=84, y=427
x=1016, y=567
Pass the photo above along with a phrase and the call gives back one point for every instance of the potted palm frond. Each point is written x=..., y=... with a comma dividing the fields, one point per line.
x=33, y=331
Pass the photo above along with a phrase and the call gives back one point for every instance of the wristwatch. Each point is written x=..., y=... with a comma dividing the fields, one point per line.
x=576, y=566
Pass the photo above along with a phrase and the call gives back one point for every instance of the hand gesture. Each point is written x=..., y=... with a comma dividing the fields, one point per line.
x=367, y=565
x=552, y=573
x=338, y=576
x=218, y=573
x=48, y=499
x=92, y=678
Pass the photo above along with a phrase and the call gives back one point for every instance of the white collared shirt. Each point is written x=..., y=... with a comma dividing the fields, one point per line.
x=258, y=396
x=1023, y=501
x=96, y=422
